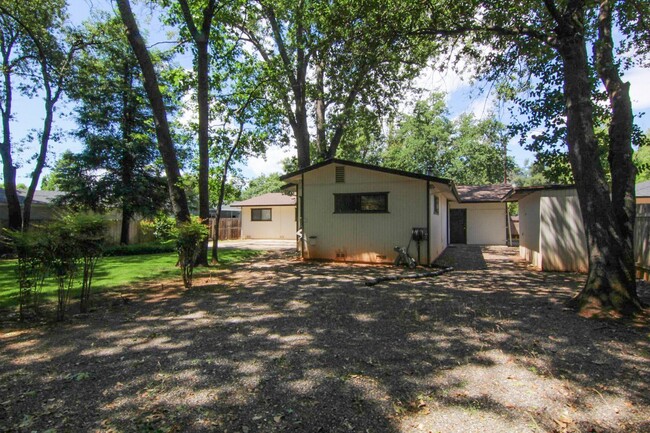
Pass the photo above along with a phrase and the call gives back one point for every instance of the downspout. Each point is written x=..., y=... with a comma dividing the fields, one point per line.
x=508, y=228
x=428, y=225
x=302, y=215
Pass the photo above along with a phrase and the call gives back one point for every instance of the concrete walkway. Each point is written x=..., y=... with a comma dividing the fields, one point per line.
x=259, y=244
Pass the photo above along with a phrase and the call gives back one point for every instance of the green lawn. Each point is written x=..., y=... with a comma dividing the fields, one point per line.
x=116, y=271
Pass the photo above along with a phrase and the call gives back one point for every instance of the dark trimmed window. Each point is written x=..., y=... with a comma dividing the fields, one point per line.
x=365, y=202
x=261, y=214
x=436, y=205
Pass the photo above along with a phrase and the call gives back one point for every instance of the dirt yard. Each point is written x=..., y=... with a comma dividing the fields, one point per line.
x=282, y=345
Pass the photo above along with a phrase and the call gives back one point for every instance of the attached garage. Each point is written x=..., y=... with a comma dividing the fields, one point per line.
x=480, y=218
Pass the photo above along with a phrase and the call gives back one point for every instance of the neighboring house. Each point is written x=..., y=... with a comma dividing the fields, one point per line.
x=480, y=216
x=227, y=211
x=551, y=232
x=349, y=211
x=43, y=207
x=643, y=193
x=268, y=216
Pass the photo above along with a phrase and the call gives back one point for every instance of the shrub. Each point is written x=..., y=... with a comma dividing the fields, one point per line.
x=144, y=248
x=88, y=233
x=60, y=252
x=162, y=227
x=188, y=242
x=31, y=268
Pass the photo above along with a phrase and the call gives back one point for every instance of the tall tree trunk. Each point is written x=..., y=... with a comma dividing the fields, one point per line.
x=610, y=285
x=222, y=193
x=321, y=140
x=126, y=223
x=301, y=134
x=204, y=156
x=201, y=39
x=8, y=169
x=165, y=144
x=50, y=101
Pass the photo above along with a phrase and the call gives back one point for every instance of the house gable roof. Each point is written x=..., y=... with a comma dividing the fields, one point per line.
x=269, y=199
x=448, y=182
x=483, y=193
x=40, y=197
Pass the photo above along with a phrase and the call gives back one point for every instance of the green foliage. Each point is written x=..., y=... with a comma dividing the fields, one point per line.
x=162, y=227
x=31, y=268
x=88, y=232
x=467, y=150
x=114, y=273
x=642, y=158
x=190, y=236
x=158, y=247
x=261, y=185
x=59, y=249
x=118, y=167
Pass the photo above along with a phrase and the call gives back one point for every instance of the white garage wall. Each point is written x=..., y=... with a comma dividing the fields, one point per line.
x=563, y=240
x=486, y=222
x=529, y=226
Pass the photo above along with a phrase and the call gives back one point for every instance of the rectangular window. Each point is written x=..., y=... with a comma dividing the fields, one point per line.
x=261, y=214
x=365, y=202
x=436, y=205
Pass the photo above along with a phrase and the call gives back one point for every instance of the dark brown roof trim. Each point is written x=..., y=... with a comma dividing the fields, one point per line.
x=375, y=168
x=523, y=191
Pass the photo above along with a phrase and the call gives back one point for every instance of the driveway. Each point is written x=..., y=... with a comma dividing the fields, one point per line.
x=260, y=244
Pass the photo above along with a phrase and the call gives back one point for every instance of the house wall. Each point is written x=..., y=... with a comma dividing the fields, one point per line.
x=642, y=241
x=40, y=213
x=438, y=232
x=281, y=226
x=486, y=222
x=562, y=236
x=529, y=227
x=362, y=237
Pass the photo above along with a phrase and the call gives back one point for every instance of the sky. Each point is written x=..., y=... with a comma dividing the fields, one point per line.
x=461, y=97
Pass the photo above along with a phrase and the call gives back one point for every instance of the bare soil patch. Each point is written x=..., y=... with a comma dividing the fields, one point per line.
x=282, y=345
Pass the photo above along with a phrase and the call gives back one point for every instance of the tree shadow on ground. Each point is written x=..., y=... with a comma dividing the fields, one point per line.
x=283, y=345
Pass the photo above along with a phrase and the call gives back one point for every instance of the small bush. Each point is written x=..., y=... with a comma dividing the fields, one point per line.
x=144, y=248
x=88, y=233
x=188, y=242
x=162, y=227
x=31, y=268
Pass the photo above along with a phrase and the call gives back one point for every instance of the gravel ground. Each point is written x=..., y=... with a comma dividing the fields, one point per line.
x=283, y=345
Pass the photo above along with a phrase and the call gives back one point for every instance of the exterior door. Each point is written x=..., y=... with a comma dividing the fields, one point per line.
x=457, y=226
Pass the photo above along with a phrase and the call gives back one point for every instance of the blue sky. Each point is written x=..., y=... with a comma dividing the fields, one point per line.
x=462, y=97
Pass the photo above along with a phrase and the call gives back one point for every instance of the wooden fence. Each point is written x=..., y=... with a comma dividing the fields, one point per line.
x=229, y=228
x=642, y=244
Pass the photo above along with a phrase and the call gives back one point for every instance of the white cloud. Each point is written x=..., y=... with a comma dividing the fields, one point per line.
x=639, y=79
x=272, y=163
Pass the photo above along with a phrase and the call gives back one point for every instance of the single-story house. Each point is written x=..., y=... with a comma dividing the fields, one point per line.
x=227, y=212
x=268, y=216
x=45, y=208
x=551, y=232
x=350, y=211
